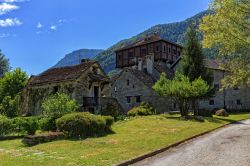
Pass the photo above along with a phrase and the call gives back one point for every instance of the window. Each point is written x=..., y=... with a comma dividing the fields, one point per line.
x=133, y=86
x=164, y=48
x=56, y=89
x=128, y=99
x=157, y=48
x=211, y=102
x=127, y=82
x=238, y=102
x=138, y=99
x=169, y=50
x=179, y=53
x=217, y=87
x=236, y=88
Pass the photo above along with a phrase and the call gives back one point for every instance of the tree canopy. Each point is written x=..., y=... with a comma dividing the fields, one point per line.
x=228, y=29
x=181, y=90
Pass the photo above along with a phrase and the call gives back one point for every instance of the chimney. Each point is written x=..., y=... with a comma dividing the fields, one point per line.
x=150, y=63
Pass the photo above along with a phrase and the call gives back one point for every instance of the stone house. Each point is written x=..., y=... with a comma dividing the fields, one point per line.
x=142, y=64
x=237, y=98
x=144, y=61
x=87, y=83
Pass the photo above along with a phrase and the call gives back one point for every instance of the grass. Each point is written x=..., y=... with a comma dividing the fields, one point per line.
x=131, y=138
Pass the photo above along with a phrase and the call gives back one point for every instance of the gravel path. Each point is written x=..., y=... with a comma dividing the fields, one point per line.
x=229, y=146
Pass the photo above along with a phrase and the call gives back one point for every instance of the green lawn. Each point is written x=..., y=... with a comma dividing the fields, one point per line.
x=131, y=138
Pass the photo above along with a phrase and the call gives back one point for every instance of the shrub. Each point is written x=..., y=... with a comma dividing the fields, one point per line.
x=143, y=110
x=6, y=126
x=221, y=112
x=26, y=124
x=9, y=107
x=110, y=110
x=84, y=124
x=58, y=105
x=48, y=124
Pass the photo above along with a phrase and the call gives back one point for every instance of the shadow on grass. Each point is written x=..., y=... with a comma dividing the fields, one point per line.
x=229, y=120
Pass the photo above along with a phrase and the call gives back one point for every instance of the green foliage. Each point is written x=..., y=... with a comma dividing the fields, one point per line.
x=57, y=105
x=181, y=89
x=6, y=126
x=48, y=124
x=110, y=110
x=27, y=125
x=4, y=64
x=12, y=83
x=230, y=33
x=143, y=110
x=84, y=124
x=10, y=107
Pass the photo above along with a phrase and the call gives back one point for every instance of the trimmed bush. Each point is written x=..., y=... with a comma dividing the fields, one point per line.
x=110, y=110
x=48, y=124
x=221, y=112
x=6, y=126
x=143, y=110
x=84, y=124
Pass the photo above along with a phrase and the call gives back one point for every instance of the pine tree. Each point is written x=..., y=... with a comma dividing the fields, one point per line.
x=193, y=65
x=4, y=64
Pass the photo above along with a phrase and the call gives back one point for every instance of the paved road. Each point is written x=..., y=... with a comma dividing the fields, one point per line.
x=229, y=146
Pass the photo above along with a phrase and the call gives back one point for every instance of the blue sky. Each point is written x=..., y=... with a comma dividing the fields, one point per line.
x=35, y=34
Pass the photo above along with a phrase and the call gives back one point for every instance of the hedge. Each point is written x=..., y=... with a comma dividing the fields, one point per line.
x=84, y=124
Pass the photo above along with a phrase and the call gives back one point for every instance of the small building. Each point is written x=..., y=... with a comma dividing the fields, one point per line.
x=87, y=83
x=237, y=98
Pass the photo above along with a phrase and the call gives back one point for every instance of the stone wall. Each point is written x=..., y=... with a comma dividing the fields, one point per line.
x=121, y=90
x=236, y=99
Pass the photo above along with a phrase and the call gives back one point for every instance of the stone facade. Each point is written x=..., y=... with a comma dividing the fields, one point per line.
x=130, y=91
x=231, y=98
x=87, y=83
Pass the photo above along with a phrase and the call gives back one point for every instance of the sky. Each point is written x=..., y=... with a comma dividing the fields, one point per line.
x=36, y=34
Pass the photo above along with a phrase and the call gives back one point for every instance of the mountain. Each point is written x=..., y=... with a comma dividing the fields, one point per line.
x=174, y=32
x=76, y=56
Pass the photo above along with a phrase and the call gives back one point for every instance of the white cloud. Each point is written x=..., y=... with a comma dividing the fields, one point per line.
x=13, y=1
x=53, y=27
x=5, y=8
x=39, y=25
x=5, y=35
x=10, y=22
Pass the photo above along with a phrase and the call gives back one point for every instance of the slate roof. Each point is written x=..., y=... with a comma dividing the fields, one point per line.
x=164, y=69
x=213, y=64
x=149, y=39
x=60, y=74
x=145, y=78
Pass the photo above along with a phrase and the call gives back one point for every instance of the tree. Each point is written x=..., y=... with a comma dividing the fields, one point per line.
x=181, y=90
x=11, y=84
x=193, y=65
x=4, y=64
x=57, y=105
x=228, y=29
